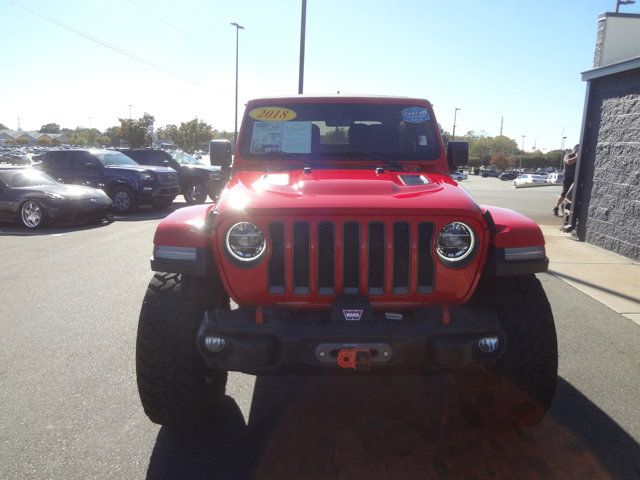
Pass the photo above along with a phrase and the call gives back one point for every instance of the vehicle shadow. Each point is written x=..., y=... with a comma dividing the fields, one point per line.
x=13, y=230
x=392, y=427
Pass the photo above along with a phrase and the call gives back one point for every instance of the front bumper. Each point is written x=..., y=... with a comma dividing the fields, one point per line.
x=81, y=212
x=287, y=342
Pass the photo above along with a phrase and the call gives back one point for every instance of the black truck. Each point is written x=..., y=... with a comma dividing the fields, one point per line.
x=125, y=181
x=196, y=179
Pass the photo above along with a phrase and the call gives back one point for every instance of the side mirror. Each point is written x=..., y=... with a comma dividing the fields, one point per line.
x=457, y=154
x=220, y=153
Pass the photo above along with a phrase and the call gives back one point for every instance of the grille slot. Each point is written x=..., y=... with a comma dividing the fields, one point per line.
x=326, y=258
x=401, y=258
x=301, y=258
x=276, y=264
x=376, y=258
x=351, y=266
x=425, y=260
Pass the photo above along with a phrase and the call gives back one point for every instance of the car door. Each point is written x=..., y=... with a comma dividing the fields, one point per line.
x=87, y=170
x=6, y=204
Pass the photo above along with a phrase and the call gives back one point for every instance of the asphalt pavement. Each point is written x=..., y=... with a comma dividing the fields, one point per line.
x=69, y=407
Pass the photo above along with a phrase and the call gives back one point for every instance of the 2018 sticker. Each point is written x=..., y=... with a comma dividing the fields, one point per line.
x=272, y=114
x=415, y=114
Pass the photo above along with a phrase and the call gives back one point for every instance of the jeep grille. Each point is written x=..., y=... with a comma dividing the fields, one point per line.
x=369, y=258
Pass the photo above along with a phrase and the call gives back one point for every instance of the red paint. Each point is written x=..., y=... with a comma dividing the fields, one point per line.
x=285, y=194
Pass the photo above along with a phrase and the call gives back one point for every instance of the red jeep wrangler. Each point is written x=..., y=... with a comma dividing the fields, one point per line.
x=347, y=248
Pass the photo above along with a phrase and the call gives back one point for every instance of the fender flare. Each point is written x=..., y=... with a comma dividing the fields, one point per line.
x=517, y=244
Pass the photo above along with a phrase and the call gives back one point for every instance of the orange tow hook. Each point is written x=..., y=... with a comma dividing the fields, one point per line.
x=355, y=358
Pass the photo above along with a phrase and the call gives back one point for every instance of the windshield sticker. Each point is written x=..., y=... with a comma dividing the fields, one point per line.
x=415, y=114
x=293, y=137
x=272, y=114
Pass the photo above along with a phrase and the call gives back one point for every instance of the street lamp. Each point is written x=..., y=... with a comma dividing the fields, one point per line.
x=522, y=151
x=235, y=129
x=455, y=114
x=130, y=111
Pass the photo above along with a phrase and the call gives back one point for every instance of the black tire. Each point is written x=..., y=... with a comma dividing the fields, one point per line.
x=175, y=387
x=195, y=192
x=162, y=203
x=527, y=370
x=32, y=215
x=124, y=200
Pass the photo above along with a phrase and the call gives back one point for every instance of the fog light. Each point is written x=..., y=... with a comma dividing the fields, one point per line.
x=488, y=344
x=214, y=344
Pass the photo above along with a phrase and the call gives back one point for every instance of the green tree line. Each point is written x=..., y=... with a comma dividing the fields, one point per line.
x=136, y=133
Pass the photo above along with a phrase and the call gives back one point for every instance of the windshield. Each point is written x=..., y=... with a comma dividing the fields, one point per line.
x=340, y=131
x=114, y=158
x=184, y=158
x=26, y=178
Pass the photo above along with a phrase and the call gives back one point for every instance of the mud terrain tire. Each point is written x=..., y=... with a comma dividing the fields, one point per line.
x=174, y=386
x=527, y=370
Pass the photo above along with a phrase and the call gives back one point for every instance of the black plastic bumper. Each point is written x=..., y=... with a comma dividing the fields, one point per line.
x=286, y=343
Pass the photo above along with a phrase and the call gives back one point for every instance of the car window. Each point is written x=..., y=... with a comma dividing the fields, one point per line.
x=108, y=158
x=58, y=160
x=26, y=178
x=81, y=159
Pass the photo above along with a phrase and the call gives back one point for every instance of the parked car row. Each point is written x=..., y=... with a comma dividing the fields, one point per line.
x=77, y=185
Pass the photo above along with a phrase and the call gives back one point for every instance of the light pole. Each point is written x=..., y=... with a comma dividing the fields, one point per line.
x=235, y=128
x=303, y=23
x=455, y=115
x=130, y=111
x=522, y=151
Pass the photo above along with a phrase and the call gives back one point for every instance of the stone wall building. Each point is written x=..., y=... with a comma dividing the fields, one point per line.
x=607, y=193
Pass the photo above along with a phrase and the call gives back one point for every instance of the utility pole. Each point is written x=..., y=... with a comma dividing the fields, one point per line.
x=455, y=115
x=522, y=151
x=501, y=124
x=130, y=111
x=303, y=28
x=235, y=128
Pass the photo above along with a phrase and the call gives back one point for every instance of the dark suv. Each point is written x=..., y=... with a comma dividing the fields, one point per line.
x=196, y=179
x=125, y=181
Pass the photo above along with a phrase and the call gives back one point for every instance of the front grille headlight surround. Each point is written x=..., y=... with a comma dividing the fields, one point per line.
x=245, y=243
x=456, y=244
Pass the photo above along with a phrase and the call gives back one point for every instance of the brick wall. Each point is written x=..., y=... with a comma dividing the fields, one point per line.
x=610, y=167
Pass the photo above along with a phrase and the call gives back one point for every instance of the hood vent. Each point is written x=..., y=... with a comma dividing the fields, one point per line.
x=412, y=180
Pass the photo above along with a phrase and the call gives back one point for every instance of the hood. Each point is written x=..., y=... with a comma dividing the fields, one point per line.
x=70, y=192
x=140, y=168
x=345, y=190
x=203, y=168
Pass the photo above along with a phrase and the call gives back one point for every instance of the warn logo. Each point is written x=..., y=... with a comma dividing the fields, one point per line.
x=352, y=315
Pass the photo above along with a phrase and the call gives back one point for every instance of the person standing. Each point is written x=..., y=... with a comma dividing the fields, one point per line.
x=569, y=173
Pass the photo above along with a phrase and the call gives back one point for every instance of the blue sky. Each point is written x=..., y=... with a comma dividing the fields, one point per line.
x=520, y=60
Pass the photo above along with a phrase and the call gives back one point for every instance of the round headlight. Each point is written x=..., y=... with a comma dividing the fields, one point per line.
x=455, y=242
x=245, y=242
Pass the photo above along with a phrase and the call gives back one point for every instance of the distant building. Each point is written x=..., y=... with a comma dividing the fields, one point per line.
x=30, y=137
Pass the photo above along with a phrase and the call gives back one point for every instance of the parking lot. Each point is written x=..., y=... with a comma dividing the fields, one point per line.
x=70, y=408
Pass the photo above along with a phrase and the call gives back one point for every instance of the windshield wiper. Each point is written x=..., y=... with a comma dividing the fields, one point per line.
x=355, y=153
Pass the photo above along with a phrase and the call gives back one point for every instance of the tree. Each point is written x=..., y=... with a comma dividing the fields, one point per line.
x=50, y=128
x=44, y=141
x=2, y=127
x=137, y=133
x=113, y=133
x=189, y=136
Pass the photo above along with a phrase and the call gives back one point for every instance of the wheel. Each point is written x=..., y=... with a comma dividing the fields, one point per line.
x=527, y=370
x=32, y=214
x=195, y=193
x=162, y=203
x=175, y=387
x=124, y=200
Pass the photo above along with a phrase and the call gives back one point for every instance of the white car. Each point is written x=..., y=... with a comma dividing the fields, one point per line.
x=555, y=178
x=529, y=180
x=457, y=176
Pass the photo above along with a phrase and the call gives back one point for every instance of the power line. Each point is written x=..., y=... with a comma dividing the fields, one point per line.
x=175, y=27
x=106, y=44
